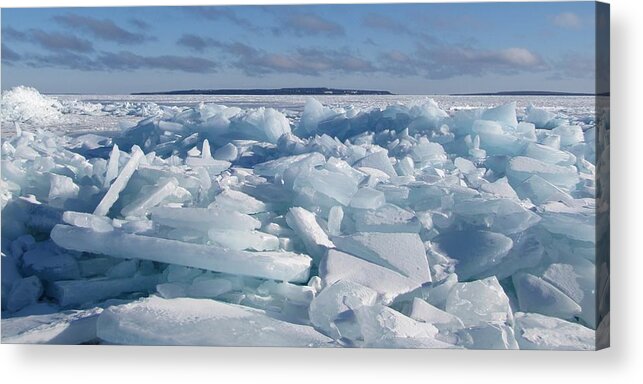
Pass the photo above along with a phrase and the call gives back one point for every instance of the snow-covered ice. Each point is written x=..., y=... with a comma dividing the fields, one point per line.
x=379, y=221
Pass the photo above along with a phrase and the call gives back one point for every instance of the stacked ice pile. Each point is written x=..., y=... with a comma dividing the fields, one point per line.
x=26, y=105
x=399, y=227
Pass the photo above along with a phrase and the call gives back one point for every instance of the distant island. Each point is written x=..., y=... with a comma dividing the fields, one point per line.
x=529, y=93
x=275, y=91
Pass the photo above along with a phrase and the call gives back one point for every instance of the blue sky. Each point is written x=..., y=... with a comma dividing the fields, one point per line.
x=403, y=48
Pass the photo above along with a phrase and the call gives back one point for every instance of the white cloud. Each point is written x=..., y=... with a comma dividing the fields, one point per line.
x=567, y=20
x=520, y=56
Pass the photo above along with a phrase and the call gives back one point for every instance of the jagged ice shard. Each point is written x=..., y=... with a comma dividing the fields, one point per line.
x=398, y=226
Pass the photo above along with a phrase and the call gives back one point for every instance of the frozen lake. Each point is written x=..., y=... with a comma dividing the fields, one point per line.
x=126, y=108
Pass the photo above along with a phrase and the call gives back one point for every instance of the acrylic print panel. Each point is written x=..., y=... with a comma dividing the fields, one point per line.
x=373, y=175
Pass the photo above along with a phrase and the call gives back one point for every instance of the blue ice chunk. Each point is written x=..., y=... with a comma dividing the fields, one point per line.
x=476, y=252
x=479, y=302
x=537, y=295
x=378, y=160
x=505, y=114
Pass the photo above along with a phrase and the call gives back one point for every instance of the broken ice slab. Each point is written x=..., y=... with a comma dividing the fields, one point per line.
x=188, y=179
x=335, y=185
x=387, y=218
x=252, y=240
x=88, y=220
x=69, y=327
x=27, y=215
x=540, y=117
x=286, y=266
x=238, y=201
x=401, y=252
x=479, y=302
x=569, y=134
x=576, y=278
x=549, y=155
x=150, y=198
x=521, y=168
x=335, y=303
x=505, y=114
x=61, y=188
x=298, y=294
x=279, y=166
x=498, y=215
x=304, y=223
x=527, y=252
x=335, y=218
x=536, y=331
x=112, y=166
x=378, y=160
x=120, y=183
x=427, y=313
x=204, y=219
x=489, y=336
x=425, y=153
x=228, y=152
x=476, y=252
x=184, y=321
x=500, y=188
x=367, y=198
x=540, y=191
x=496, y=141
x=213, y=166
x=208, y=287
x=387, y=283
x=382, y=326
x=577, y=226
x=71, y=293
x=537, y=295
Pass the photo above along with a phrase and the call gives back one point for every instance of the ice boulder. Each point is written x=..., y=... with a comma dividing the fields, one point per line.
x=332, y=310
x=378, y=160
x=569, y=134
x=494, y=140
x=314, y=113
x=479, y=302
x=541, y=118
x=504, y=114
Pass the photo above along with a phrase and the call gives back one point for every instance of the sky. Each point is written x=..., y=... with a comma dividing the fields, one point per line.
x=437, y=48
